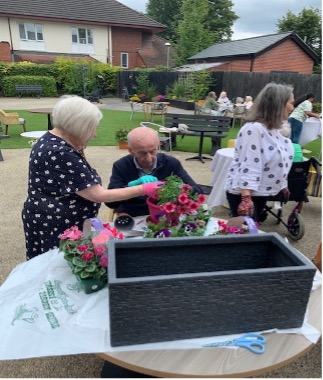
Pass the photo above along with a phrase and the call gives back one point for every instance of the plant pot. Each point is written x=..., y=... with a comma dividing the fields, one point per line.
x=155, y=211
x=123, y=145
x=91, y=285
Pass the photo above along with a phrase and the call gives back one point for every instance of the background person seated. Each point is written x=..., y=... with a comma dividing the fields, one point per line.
x=223, y=98
x=210, y=105
x=143, y=164
x=248, y=102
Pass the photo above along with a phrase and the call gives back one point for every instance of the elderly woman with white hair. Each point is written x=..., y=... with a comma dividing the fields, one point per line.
x=63, y=188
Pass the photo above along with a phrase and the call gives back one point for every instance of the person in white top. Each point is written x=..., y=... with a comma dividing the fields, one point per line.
x=302, y=110
x=223, y=98
x=248, y=102
x=263, y=156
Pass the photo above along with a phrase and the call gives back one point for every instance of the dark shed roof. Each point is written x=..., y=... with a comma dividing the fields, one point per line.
x=104, y=12
x=250, y=46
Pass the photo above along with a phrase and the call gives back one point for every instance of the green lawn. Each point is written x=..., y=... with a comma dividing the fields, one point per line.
x=113, y=120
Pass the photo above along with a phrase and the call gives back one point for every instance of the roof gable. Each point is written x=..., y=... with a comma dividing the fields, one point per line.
x=250, y=46
x=92, y=11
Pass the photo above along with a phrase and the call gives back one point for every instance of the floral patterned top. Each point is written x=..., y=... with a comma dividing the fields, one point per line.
x=262, y=161
x=299, y=111
x=56, y=172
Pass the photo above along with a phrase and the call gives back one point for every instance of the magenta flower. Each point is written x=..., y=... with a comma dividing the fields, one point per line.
x=72, y=233
x=183, y=198
x=168, y=207
x=104, y=261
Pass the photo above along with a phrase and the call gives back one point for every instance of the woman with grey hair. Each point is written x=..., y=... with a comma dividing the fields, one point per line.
x=263, y=156
x=63, y=189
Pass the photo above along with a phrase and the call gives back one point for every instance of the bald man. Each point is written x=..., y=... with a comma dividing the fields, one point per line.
x=143, y=159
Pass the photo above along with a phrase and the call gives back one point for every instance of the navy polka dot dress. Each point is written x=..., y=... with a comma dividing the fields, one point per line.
x=56, y=172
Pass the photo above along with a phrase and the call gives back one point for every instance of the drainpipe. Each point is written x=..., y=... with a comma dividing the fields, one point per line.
x=11, y=45
x=110, y=46
x=252, y=60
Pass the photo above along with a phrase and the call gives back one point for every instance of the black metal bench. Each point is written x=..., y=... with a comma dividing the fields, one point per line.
x=28, y=89
x=221, y=122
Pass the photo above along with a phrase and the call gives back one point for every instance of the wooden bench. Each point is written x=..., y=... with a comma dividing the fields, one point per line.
x=221, y=122
x=28, y=89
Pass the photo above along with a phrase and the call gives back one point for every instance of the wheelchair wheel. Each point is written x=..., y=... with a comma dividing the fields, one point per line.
x=296, y=226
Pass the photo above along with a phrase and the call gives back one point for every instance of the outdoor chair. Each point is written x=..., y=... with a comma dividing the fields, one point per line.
x=11, y=118
x=158, y=109
x=165, y=141
x=136, y=107
x=238, y=114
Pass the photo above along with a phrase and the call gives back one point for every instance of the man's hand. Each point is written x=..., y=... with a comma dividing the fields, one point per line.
x=246, y=207
x=142, y=180
x=284, y=195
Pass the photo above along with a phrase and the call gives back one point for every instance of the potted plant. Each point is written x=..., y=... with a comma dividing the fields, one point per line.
x=87, y=255
x=179, y=211
x=121, y=137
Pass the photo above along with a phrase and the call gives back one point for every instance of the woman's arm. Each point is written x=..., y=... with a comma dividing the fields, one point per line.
x=312, y=114
x=97, y=193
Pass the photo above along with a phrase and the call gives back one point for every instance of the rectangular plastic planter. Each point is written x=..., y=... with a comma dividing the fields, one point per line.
x=183, y=288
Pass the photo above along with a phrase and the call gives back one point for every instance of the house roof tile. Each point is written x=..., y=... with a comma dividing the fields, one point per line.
x=106, y=12
x=248, y=46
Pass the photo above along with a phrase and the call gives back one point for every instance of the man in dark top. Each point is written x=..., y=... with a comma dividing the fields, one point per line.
x=143, y=164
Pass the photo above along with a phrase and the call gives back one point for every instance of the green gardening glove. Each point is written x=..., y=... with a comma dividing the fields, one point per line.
x=142, y=180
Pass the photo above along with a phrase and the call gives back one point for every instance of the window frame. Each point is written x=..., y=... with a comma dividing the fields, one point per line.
x=126, y=57
x=27, y=28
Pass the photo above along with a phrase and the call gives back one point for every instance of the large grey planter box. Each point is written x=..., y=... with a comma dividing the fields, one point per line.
x=180, y=288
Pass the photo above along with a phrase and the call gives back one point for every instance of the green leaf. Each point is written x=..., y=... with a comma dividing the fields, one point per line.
x=91, y=268
x=78, y=262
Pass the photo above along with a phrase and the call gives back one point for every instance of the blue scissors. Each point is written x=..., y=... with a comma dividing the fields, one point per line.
x=253, y=342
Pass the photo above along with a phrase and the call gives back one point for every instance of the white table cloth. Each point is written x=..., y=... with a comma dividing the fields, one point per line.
x=219, y=166
x=312, y=129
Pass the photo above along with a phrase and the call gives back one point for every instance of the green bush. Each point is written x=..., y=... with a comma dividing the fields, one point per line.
x=48, y=83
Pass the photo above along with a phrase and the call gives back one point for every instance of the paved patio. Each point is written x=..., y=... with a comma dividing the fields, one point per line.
x=12, y=195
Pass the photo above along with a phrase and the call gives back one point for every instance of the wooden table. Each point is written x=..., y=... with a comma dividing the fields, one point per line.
x=281, y=349
x=148, y=108
x=46, y=111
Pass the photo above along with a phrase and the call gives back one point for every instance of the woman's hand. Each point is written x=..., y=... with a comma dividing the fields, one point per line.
x=246, y=207
x=150, y=189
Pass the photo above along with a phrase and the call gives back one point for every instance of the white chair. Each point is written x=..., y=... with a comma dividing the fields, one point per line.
x=163, y=140
x=136, y=107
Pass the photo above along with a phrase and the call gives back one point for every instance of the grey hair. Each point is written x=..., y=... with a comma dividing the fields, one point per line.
x=269, y=105
x=76, y=116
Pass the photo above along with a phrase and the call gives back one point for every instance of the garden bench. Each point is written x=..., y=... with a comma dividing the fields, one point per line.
x=221, y=122
x=28, y=89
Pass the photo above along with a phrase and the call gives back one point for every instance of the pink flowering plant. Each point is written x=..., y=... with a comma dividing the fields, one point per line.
x=88, y=256
x=239, y=229
x=182, y=211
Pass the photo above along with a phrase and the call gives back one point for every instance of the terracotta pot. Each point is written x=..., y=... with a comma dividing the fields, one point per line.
x=155, y=211
x=123, y=145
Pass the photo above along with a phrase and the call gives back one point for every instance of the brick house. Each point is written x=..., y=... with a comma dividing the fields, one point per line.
x=274, y=52
x=102, y=30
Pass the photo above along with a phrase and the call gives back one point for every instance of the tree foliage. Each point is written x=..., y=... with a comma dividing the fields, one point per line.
x=194, y=34
x=219, y=18
x=307, y=24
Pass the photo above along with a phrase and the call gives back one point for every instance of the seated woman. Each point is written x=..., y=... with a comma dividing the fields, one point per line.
x=248, y=102
x=223, y=98
x=210, y=105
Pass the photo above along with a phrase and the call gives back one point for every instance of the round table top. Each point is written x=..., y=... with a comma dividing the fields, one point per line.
x=281, y=349
x=227, y=152
x=45, y=110
x=33, y=134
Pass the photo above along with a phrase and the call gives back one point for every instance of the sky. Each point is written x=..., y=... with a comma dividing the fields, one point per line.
x=257, y=17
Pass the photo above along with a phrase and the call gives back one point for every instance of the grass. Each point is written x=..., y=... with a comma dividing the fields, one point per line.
x=111, y=121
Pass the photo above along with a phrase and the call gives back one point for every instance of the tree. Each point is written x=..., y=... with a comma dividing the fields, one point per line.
x=194, y=34
x=307, y=24
x=166, y=12
x=219, y=18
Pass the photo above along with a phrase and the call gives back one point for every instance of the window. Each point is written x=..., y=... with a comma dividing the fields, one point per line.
x=82, y=36
x=31, y=32
x=124, y=60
